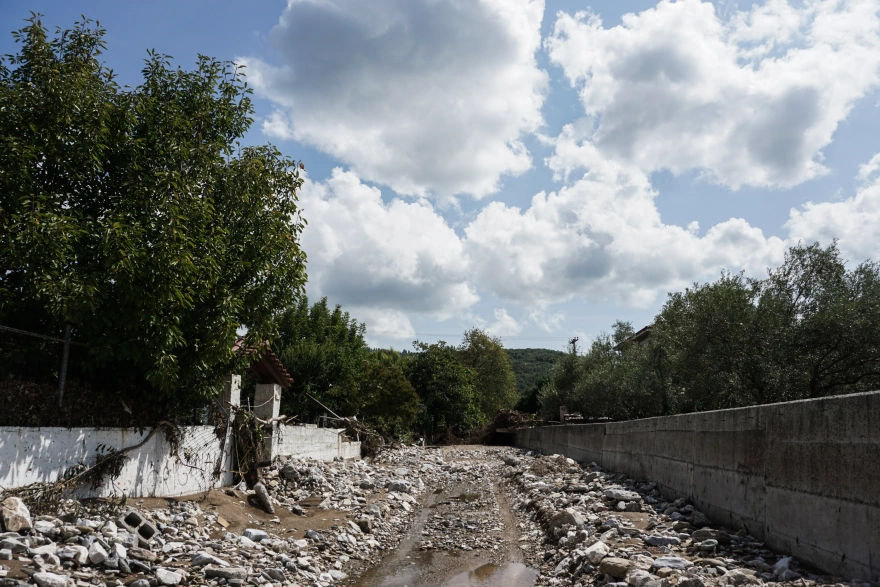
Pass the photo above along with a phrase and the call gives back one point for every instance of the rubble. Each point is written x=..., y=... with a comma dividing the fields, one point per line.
x=582, y=526
x=576, y=525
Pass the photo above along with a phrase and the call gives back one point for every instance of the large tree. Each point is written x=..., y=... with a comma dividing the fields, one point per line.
x=494, y=379
x=445, y=386
x=324, y=351
x=135, y=215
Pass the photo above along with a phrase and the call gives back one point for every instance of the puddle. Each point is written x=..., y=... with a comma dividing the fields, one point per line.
x=508, y=575
x=468, y=497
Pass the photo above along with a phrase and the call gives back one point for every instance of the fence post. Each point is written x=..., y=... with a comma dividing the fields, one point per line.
x=230, y=396
x=62, y=377
x=267, y=405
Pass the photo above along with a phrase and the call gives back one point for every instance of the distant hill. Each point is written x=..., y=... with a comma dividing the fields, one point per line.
x=531, y=365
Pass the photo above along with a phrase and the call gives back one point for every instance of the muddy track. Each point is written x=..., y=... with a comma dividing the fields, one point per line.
x=466, y=533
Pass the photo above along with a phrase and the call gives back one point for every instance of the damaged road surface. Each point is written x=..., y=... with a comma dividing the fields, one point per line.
x=465, y=534
x=454, y=517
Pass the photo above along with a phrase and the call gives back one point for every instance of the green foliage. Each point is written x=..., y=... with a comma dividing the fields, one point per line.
x=324, y=352
x=445, y=386
x=135, y=215
x=531, y=367
x=387, y=400
x=494, y=379
x=808, y=330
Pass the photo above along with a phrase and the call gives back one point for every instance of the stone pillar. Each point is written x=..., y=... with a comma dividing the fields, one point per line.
x=267, y=405
x=231, y=395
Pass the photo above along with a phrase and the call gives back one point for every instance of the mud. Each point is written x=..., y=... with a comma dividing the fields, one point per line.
x=434, y=553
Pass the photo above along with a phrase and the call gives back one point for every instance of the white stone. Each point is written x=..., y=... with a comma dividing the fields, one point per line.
x=597, y=552
x=97, y=554
x=15, y=515
x=166, y=577
x=50, y=580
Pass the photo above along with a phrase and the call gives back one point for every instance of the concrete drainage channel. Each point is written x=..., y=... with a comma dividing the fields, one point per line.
x=453, y=517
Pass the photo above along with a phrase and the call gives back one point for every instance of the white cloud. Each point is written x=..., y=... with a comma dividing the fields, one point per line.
x=545, y=321
x=868, y=170
x=751, y=101
x=602, y=238
x=394, y=259
x=854, y=221
x=504, y=324
x=424, y=96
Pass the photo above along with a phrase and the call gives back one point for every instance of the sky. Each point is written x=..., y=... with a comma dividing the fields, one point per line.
x=539, y=169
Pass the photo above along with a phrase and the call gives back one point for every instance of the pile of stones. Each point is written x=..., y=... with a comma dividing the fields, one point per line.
x=582, y=525
x=377, y=503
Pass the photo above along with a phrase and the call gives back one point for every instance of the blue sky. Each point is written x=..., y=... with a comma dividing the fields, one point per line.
x=540, y=169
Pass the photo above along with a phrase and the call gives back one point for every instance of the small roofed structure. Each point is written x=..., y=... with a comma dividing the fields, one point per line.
x=639, y=338
x=267, y=368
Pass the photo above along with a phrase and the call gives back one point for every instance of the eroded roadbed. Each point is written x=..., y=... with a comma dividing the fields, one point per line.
x=465, y=533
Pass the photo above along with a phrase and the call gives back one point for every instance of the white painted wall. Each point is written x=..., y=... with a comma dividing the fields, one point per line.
x=29, y=455
x=307, y=440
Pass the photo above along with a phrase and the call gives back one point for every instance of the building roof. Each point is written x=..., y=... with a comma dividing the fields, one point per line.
x=638, y=338
x=265, y=367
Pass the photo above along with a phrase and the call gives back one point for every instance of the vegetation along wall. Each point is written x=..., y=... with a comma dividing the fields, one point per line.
x=803, y=476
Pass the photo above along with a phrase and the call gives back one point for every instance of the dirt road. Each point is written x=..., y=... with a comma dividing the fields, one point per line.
x=466, y=533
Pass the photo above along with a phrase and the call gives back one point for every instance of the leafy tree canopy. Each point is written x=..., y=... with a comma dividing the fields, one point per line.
x=324, y=351
x=135, y=215
x=445, y=386
x=807, y=330
x=494, y=379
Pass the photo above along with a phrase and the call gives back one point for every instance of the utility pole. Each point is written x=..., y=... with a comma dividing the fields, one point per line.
x=574, y=344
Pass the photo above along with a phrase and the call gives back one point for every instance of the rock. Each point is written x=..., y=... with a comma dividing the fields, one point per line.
x=672, y=562
x=662, y=540
x=255, y=534
x=97, y=554
x=50, y=580
x=691, y=582
x=698, y=519
x=46, y=560
x=140, y=583
x=44, y=527
x=201, y=559
x=245, y=542
x=142, y=554
x=737, y=577
x=15, y=515
x=638, y=577
x=119, y=551
x=289, y=472
x=366, y=526
x=227, y=573
x=399, y=486
x=596, y=552
x=168, y=578
x=13, y=545
x=276, y=575
x=566, y=517
x=109, y=529
x=708, y=545
x=337, y=575
x=615, y=567
x=5, y=554
x=74, y=552
x=615, y=494
x=263, y=495
x=312, y=535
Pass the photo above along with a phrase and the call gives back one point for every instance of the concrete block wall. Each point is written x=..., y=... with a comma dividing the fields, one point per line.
x=322, y=444
x=803, y=476
x=29, y=455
